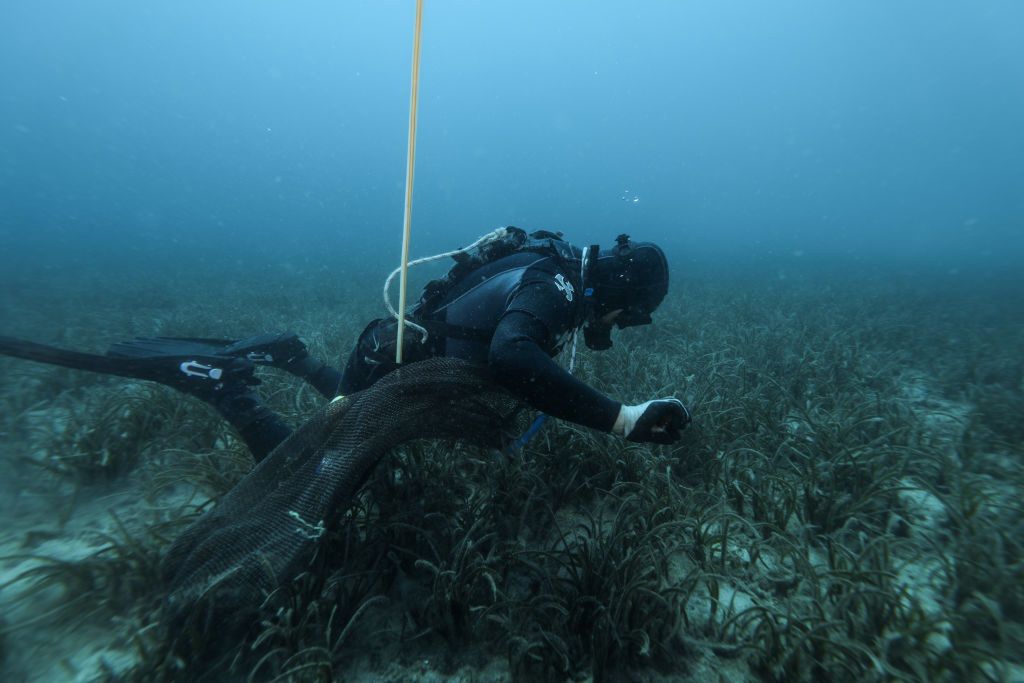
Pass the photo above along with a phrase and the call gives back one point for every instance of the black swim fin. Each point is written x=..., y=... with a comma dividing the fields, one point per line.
x=281, y=350
x=186, y=368
x=200, y=366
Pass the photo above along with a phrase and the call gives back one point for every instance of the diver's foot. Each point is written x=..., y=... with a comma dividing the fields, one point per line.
x=276, y=349
x=282, y=350
x=285, y=351
x=207, y=377
x=190, y=366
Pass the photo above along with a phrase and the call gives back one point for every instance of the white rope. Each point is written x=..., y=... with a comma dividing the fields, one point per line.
x=492, y=236
x=308, y=530
x=409, y=168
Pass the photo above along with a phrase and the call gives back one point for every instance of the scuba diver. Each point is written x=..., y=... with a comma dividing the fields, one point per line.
x=512, y=301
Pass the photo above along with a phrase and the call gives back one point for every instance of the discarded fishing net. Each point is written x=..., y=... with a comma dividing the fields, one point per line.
x=263, y=532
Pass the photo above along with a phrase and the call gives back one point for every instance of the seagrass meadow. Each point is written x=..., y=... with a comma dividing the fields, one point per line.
x=846, y=505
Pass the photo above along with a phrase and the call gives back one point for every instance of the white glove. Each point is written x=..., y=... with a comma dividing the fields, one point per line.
x=660, y=421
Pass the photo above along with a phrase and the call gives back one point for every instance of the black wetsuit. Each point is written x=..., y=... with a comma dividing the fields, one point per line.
x=514, y=314
x=528, y=305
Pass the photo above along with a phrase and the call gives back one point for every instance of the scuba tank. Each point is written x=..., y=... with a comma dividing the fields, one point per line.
x=503, y=242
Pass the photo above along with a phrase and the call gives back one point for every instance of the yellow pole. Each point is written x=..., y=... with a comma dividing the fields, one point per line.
x=410, y=165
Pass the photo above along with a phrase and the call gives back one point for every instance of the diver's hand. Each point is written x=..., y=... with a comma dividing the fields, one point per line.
x=660, y=421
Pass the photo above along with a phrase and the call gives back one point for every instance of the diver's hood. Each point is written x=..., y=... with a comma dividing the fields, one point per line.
x=632, y=276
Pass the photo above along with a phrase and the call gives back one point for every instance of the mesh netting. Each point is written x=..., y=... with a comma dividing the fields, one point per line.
x=264, y=531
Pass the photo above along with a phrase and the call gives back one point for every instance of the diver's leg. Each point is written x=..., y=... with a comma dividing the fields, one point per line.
x=356, y=376
x=281, y=350
x=189, y=366
x=285, y=351
x=224, y=379
x=260, y=428
x=322, y=377
x=372, y=357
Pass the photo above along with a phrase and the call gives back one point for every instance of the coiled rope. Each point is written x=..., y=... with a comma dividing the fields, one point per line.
x=399, y=314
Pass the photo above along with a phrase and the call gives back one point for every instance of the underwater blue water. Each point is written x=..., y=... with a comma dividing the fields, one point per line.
x=228, y=167
x=218, y=132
